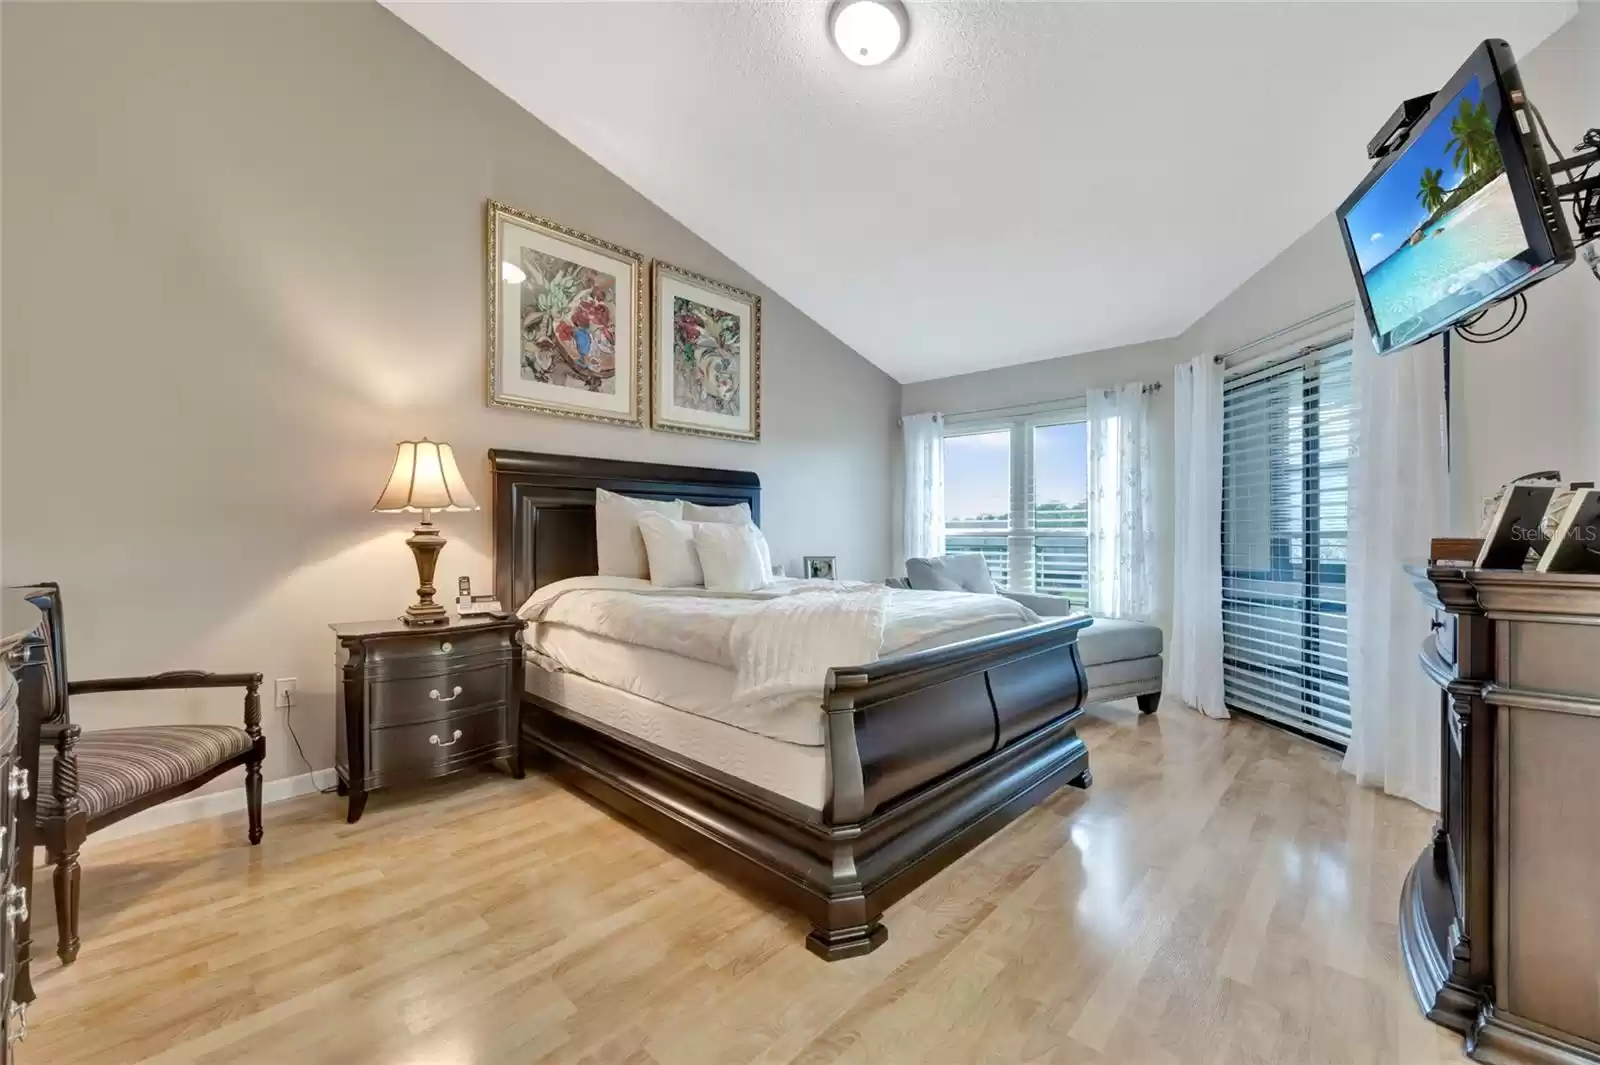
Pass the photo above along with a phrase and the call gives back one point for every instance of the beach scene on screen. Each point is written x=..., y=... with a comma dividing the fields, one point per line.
x=1439, y=232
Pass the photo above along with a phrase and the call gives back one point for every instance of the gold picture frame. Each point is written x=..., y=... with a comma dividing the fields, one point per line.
x=572, y=343
x=704, y=382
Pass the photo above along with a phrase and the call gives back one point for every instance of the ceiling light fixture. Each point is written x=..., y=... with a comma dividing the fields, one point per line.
x=868, y=32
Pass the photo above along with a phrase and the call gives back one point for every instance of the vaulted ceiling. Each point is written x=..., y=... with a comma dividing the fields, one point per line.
x=1025, y=180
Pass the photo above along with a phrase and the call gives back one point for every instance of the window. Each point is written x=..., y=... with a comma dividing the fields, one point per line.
x=1016, y=492
x=1286, y=435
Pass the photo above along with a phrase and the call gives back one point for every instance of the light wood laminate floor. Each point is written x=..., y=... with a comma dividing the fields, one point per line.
x=1221, y=895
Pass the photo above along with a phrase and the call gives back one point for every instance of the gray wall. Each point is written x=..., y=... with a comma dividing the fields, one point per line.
x=243, y=248
x=1528, y=402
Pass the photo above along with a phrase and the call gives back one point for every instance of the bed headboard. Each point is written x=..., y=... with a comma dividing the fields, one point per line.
x=543, y=510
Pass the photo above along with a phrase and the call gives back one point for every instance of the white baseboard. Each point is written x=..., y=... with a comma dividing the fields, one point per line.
x=213, y=803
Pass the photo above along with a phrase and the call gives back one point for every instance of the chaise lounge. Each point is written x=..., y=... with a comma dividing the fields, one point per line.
x=1121, y=659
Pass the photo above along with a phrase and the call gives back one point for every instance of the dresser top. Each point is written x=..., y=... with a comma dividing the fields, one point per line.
x=355, y=630
x=1510, y=594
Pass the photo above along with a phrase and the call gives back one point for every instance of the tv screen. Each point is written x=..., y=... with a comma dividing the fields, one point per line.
x=1452, y=222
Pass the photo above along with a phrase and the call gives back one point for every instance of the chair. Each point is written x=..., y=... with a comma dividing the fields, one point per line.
x=88, y=780
x=1121, y=659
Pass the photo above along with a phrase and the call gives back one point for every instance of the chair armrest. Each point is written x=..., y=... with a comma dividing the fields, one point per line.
x=190, y=678
x=1046, y=606
x=182, y=678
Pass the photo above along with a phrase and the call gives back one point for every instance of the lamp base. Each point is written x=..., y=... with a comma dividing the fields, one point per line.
x=420, y=617
x=425, y=543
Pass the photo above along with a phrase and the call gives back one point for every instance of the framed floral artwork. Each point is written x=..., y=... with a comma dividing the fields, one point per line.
x=705, y=370
x=566, y=320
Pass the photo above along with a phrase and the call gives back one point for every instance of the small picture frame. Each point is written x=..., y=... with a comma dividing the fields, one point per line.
x=820, y=567
x=1514, y=529
x=1575, y=545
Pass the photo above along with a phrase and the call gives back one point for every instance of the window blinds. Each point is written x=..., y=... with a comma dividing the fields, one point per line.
x=1287, y=433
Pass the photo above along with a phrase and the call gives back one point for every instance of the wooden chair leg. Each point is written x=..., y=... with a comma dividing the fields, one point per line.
x=67, y=876
x=252, y=769
x=252, y=799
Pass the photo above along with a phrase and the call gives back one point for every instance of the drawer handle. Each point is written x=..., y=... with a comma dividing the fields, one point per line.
x=17, y=786
x=451, y=742
x=16, y=908
x=17, y=1023
x=434, y=694
x=445, y=647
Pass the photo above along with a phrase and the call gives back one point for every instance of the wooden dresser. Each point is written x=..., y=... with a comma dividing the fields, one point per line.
x=416, y=703
x=20, y=626
x=1500, y=917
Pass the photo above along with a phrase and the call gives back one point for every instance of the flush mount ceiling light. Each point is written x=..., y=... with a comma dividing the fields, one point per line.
x=868, y=31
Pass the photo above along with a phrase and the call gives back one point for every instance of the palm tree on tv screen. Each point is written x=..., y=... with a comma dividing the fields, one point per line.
x=1473, y=138
x=1431, y=192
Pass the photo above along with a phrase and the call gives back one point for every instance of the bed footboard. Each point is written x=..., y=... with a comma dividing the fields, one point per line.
x=931, y=753
x=928, y=753
x=901, y=722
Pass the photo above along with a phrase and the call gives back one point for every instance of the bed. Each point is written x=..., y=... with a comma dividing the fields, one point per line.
x=919, y=755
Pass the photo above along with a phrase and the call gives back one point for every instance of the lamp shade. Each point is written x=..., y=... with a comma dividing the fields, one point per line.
x=425, y=477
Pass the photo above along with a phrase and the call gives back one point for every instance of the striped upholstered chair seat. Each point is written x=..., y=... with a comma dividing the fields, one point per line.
x=89, y=780
x=120, y=766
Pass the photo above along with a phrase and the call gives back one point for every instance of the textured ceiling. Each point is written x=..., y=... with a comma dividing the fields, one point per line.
x=1023, y=181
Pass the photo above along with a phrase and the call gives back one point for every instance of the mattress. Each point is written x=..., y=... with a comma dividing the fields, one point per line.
x=795, y=772
x=694, y=686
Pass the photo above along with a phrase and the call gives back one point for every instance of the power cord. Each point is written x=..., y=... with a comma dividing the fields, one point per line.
x=1519, y=312
x=288, y=720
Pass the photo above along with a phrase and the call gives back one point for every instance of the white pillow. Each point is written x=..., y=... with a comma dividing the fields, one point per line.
x=738, y=514
x=618, y=547
x=674, y=561
x=734, y=558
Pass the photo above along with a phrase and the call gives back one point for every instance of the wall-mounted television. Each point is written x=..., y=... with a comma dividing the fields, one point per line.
x=1461, y=215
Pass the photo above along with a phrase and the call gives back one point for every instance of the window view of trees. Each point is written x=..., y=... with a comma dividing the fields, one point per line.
x=1028, y=518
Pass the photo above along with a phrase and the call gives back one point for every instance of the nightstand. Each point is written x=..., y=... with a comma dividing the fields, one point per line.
x=417, y=703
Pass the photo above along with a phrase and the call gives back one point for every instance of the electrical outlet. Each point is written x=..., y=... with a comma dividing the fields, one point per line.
x=283, y=691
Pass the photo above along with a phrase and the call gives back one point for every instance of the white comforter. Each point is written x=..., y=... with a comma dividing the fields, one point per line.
x=779, y=641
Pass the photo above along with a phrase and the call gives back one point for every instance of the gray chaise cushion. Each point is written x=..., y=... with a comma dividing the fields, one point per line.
x=950, y=573
x=1134, y=671
x=122, y=765
x=1111, y=640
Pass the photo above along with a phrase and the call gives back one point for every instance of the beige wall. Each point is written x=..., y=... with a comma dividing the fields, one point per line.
x=242, y=247
x=1528, y=402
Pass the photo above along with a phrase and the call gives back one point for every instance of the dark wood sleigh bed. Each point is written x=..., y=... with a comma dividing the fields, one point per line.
x=927, y=754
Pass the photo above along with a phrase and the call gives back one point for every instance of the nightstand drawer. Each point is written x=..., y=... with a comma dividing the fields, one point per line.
x=433, y=744
x=430, y=698
x=415, y=651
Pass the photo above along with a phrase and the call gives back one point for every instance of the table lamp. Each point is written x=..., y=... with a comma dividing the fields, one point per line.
x=425, y=479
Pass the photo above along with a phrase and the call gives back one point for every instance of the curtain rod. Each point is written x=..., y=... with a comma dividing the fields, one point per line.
x=1041, y=407
x=1343, y=308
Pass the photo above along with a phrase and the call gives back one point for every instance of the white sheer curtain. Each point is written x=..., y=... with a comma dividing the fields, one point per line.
x=1121, y=525
x=1398, y=499
x=922, y=525
x=1194, y=657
